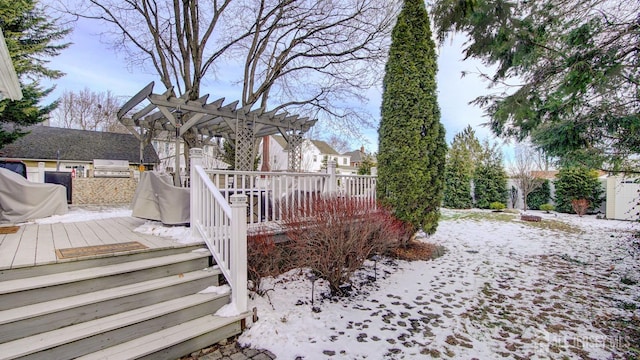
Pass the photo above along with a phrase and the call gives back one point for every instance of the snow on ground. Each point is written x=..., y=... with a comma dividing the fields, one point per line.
x=77, y=214
x=503, y=289
x=181, y=234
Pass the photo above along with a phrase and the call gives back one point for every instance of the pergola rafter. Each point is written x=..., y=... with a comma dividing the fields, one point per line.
x=241, y=125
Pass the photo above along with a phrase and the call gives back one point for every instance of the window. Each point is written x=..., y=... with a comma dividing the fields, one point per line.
x=344, y=161
x=315, y=158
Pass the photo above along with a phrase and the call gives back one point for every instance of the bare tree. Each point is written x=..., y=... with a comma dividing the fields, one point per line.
x=88, y=110
x=314, y=57
x=338, y=143
x=522, y=169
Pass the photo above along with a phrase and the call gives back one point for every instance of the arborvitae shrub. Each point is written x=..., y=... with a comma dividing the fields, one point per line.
x=541, y=195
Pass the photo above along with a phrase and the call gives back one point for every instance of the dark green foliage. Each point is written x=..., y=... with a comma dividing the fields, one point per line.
x=575, y=183
x=457, y=190
x=490, y=178
x=539, y=196
x=412, y=146
x=578, y=63
x=30, y=36
x=460, y=166
x=367, y=164
x=490, y=185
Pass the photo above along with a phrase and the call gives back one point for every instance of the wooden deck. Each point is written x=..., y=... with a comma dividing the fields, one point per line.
x=36, y=244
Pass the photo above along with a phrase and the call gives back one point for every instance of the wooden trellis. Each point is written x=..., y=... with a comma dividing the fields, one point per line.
x=211, y=120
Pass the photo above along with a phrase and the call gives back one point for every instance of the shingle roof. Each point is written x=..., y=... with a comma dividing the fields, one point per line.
x=356, y=155
x=43, y=142
x=280, y=140
x=324, y=147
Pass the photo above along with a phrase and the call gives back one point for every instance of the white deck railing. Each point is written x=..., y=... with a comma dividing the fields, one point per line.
x=223, y=228
x=270, y=194
x=223, y=202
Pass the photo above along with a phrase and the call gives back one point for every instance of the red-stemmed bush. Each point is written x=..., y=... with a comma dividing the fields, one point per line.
x=333, y=236
x=264, y=258
x=580, y=206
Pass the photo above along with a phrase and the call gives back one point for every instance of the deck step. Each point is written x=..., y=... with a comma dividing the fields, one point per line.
x=100, y=260
x=36, y=318
x=19, y=292
x=91, y=336
x=173, y=342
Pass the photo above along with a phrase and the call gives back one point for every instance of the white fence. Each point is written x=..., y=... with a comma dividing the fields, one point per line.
x=623, y=198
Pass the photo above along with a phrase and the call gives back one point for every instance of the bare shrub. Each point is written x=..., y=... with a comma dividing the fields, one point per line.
x=580, y=206
x=264, y=258
x=334, y=236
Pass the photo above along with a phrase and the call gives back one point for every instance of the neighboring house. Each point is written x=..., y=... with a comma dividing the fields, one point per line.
x=358, y=157
x=315, y=154
x=67, y=149
x=165, y=146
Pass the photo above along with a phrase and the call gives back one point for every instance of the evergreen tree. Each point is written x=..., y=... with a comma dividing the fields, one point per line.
x=490, y=178
x=367, y=164
x=412, y=147
x=460, y=166
x=539, y=196
x=576, y=183
x=577, y=69
x=30, y=35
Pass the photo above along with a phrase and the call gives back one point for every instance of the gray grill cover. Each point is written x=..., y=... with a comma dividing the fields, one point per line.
x=22, y=200
x=157, y=199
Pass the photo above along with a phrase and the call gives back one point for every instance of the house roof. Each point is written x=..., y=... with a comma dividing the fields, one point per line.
x=280, y=140
x=356, y=155
x=549, y=175
x=324, y=147
x=43, y=143
x=359, y=156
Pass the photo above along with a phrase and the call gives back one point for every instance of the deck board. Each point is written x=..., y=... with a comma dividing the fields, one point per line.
x=45, y=248
x=26, y=253
x=35, y=244
x=60, y=236
x=9, y=247
x=89, y=234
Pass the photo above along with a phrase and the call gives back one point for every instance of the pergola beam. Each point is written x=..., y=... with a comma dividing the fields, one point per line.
x=214, y=119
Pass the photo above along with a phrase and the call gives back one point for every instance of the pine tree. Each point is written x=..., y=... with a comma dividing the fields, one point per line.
x=30, y=35
x=461, y=163
x=412, y=147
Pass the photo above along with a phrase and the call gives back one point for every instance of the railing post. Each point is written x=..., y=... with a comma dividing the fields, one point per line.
x=195, y=154
x=238, y=261
x=333, y=183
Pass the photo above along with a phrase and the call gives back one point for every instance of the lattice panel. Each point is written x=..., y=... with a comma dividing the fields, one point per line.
x=244, y=147
x=295, y=152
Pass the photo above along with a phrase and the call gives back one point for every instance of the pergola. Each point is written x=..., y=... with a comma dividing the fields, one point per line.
x=213, y=120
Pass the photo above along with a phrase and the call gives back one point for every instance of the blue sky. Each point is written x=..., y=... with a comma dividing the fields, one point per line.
x=90, y=63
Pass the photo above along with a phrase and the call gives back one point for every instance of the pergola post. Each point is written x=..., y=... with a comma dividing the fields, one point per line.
x=295, y=152
x=244, y=146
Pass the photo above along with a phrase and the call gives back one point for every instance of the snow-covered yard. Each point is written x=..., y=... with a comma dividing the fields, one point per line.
x=503, y=289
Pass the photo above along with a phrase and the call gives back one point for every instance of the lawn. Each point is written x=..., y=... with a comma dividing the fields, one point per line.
x=566, y=287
